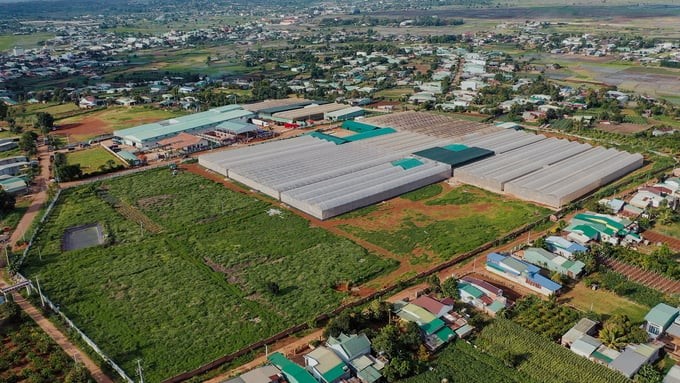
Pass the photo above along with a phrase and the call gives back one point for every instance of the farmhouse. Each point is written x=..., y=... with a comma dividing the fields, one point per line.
x=291, y=371
x=522, y=273
x=355, y=350
x=564, y=247
x=148, y=135
x=586, y=227
x=659, y=319
x=482, y=295
x=326, y=366
x=434, y=330
x=634, y=357
x=554, y=262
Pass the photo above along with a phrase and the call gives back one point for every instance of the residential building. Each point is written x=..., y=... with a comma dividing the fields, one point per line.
x=584, y=326
x=355, y=350
x=264, y=374
x=326, y=366
x=435, y=307
x=564, y=247
x=659, y=319
x=482, y=295
x=522, y=273
x=634, y=357
x=291, y=371
x=586, y=227
x=554, y=262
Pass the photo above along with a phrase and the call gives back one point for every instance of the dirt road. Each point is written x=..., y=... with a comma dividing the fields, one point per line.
x=39, y=198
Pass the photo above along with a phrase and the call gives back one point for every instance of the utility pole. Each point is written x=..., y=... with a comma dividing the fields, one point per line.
x=140, y=371
x=42, y=300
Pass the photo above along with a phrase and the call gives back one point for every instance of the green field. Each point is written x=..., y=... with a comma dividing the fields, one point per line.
x=672, y=230
x=200, y=286
x=93, y=159
x=438, y=226
x=603, y=302
x=539, y=358
x=7, y=42
x=461, y=362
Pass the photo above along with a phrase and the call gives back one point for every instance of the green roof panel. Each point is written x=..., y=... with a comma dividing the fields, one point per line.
x=455, y=158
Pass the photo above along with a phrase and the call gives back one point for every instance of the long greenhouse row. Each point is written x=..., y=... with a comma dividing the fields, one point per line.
x=326, y=175
x=552, y=172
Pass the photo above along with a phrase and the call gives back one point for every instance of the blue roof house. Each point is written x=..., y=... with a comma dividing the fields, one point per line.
x=522, y=273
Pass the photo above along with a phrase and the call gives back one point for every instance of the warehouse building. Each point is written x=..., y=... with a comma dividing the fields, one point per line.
x=308, y=113
x=148, y=135
x=344, y=114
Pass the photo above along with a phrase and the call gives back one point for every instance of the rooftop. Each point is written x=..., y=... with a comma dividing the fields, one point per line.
x=662, y=314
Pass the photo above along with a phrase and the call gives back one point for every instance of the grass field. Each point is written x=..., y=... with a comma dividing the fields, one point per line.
x=202, y=282
x=93, y=159
x=7, y=42
x=603, y=302
x=437, y=222
x=672, y=230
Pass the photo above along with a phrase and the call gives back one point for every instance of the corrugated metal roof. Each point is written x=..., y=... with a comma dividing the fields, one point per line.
x=370, y=134
x=407, y=163
x=172, y=126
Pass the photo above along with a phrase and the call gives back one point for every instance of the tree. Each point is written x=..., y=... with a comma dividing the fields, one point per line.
x=434, y=283
x=110, y=164
x=589, y=260
x=387, y=340
x=410, y=338
x=27, y=143
x=4, y=111
x=68, y=172
x=450, y=287
x=619, y=331
x=44, y=121
x=7, y=202
x=273, y=288
x=78, y=374
x=338, y=324
x=648, y=374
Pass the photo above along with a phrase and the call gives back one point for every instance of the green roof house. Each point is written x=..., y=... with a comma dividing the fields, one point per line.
x=553, y=262
x=608, y=228
x=326, y=366
x=355, y=350
x=660, y=318
x=293, y=372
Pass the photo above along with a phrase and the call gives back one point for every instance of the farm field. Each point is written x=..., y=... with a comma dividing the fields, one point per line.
x=85, y=126
x=603, y=302
x=435, y=223
x=540, y=359
x=93, y=159
x=189, y=265
x=672, y=230
x=29, y=355
x=461, y=362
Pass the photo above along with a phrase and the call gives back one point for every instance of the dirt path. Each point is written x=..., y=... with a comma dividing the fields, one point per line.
x=288, y=350
x=39, y=198
x=69, y=348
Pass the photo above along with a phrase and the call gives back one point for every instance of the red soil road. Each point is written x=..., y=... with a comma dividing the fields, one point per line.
x=39, y=198
x=656, y=237
x=644, y=277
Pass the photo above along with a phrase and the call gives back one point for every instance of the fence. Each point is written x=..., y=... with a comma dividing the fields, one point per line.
x=36, y=231
x=378, y=294
x=82, y=335
x=54, y=307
